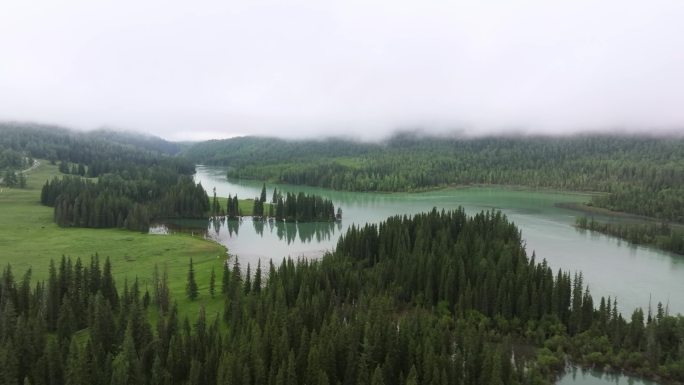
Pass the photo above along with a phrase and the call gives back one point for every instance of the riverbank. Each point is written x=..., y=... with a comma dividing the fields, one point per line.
x=615, y=374
x=599, y=211
x=659, y=235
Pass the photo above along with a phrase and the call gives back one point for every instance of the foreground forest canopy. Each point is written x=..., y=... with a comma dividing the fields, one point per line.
x=438, y=298
x=641, y=175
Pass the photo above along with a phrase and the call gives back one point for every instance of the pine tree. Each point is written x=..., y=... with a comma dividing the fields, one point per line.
x=126, y=366
x=76, y=372
x=107, y=285
x=377, y=378
x=255, y=208
x=9, y=371
x=280, y=209
x=257, y=278
x=262, y=198
x=212, y=283
x=215, y=204
x=191, y=287
x=412, y=378
x=225, y=282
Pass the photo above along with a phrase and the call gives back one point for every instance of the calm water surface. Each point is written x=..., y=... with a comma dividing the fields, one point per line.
x=575, y=376
x=611, y=267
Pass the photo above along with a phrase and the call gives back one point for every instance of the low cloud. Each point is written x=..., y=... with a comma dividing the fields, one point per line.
x=214, y=69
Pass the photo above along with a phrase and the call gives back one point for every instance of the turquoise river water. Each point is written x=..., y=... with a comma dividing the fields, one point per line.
x=610, y=267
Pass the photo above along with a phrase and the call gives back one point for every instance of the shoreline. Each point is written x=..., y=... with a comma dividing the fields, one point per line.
x=456, y=186
x=610, y=370
x=599, y=211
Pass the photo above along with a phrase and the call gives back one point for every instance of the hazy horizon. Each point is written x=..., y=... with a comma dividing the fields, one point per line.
x=417, y=133
x=362, y=70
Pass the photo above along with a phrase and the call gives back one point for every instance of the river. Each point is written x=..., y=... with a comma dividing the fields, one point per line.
x=610, y=267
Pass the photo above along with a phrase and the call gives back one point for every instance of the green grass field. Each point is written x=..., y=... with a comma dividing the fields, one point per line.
x=246, y=206
x=29, y=239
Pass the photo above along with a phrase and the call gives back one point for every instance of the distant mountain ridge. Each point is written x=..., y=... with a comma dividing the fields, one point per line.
x=19, y=135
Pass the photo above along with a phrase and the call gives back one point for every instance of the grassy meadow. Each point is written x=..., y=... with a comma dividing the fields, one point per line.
x=29, y=239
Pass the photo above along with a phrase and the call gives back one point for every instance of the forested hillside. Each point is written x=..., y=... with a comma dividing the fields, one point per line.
x=136, y=180
x=438, y=298
x=60, y=144
x=243, y=151
x=643, y=175
x=13, y=160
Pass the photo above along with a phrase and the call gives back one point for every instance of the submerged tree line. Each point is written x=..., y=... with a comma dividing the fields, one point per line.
x=660, y=235
x=437, y=298
x=300, y=207
x=288, y=231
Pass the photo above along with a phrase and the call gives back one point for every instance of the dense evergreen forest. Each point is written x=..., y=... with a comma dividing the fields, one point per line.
x=644, y=175
x=137, y=178
x=660, y=235
x=13, y=160
x=129, y=203
x=11, y=164
x=438, y=298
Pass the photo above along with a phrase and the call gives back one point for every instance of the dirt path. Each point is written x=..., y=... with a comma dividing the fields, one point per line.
x=35, y=165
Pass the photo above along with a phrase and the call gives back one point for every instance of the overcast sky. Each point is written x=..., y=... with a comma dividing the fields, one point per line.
x=215, y=69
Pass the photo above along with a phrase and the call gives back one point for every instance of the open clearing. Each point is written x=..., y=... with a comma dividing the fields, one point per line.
x=29, y=239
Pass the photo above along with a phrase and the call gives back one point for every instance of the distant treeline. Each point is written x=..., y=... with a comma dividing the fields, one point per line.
x=437, y=298
x=138, y=179
x=60, y=144
x=12, y=178
x=660, y=235
x=133, y=186
x=13, y=160
x=645, y=175
x=299, y=207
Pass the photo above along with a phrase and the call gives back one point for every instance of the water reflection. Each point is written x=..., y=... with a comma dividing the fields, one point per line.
x=195, y=227
x=259, y=227
x=578, y=376
x=260, y=239
x=289, y=232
